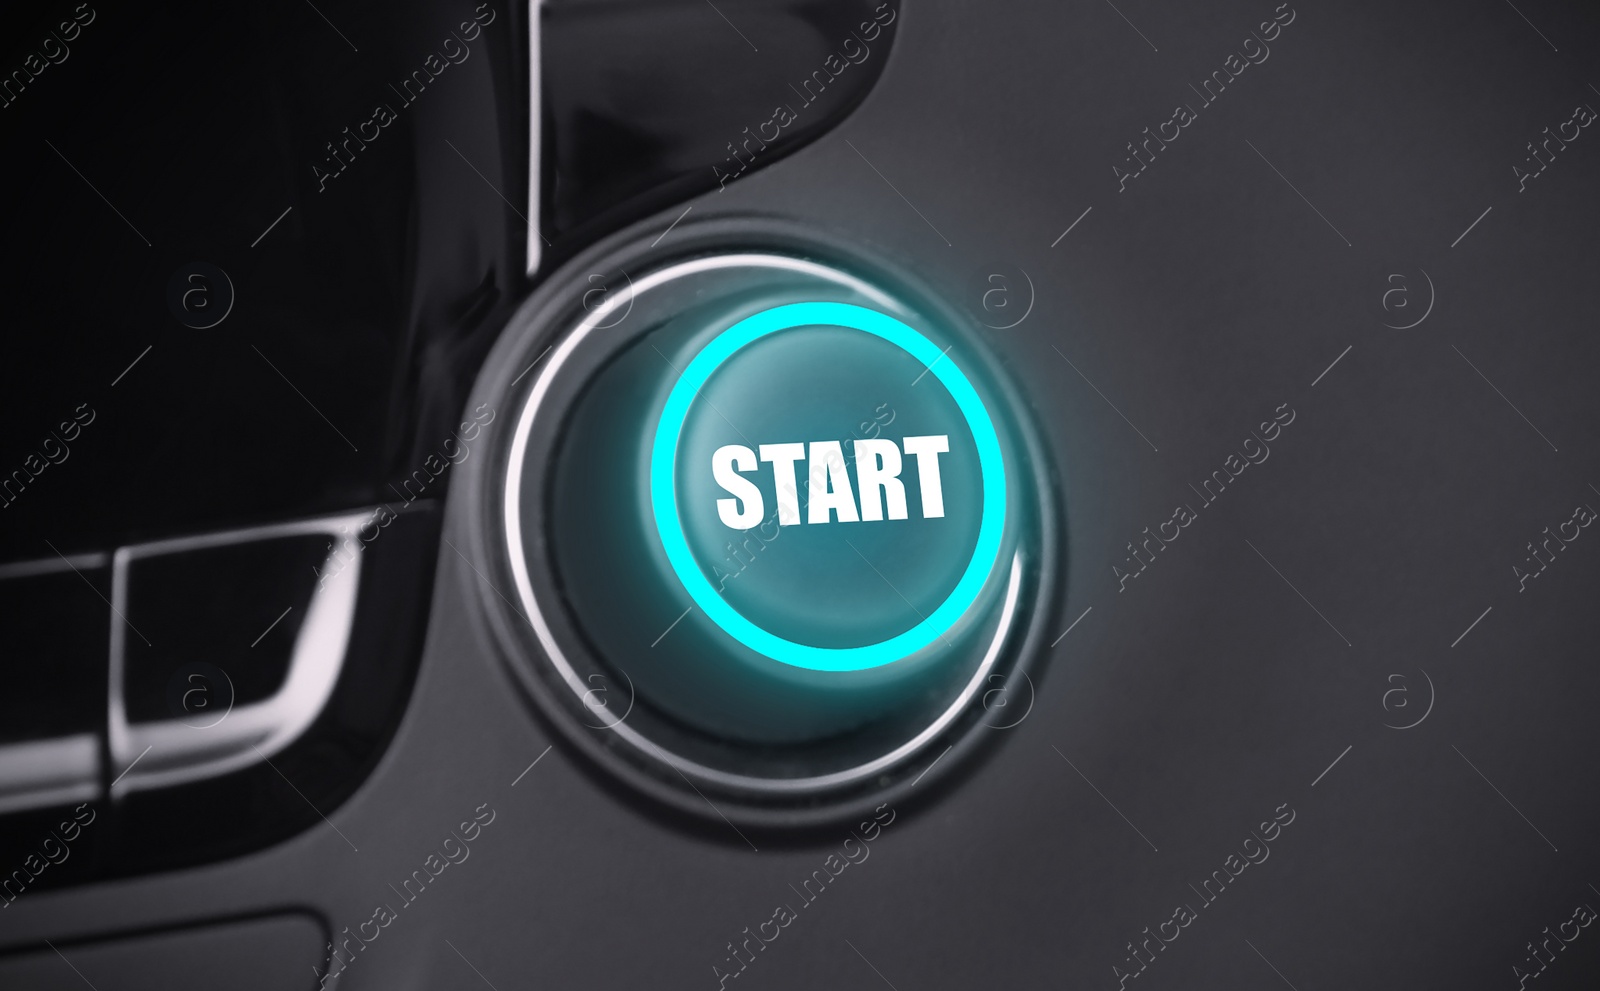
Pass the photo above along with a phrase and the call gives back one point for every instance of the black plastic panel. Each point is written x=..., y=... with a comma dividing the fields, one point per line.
x=651, y=103
x=352, y=307
x=55, y=627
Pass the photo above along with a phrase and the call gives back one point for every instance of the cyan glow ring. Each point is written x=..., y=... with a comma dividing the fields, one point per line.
x=664, y=497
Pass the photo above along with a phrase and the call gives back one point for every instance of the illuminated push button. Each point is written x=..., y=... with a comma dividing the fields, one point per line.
x=813, y=524
x=783, y=521
x=773, y=526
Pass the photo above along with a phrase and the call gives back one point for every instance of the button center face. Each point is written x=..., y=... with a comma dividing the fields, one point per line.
x=828, y=486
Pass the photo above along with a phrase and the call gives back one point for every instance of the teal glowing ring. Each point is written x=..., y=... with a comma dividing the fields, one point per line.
x=664, y=498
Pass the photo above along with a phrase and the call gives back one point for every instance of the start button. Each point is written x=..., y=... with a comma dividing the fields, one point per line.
x=814, y=547
x=775, y=525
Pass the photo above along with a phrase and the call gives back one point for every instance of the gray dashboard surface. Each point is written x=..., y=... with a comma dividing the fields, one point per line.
x=1341, y=643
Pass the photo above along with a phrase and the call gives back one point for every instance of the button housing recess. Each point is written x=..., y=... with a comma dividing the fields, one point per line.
x=772, y=523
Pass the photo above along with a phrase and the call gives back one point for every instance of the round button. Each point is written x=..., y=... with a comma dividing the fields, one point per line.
x=781, y=496
x=826, y=603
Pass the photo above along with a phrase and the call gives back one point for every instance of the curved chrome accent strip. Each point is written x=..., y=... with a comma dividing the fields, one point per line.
x=51, y=565
x=42, y=773
x=535, y=135
x=171, y=752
